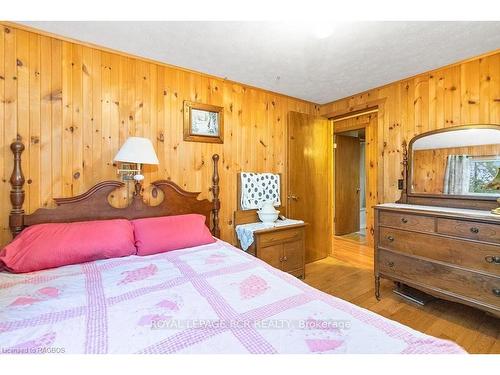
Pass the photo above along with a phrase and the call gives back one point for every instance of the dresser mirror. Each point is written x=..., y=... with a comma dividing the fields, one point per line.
x=461, y=163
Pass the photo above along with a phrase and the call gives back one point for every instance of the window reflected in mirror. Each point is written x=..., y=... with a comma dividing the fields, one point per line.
x=457, y=162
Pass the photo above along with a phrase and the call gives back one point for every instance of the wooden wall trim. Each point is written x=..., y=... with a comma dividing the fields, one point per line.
x=350, y=115
x=355, y=110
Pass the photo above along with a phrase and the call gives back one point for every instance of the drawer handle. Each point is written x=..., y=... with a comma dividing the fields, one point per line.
x=474, y=230
x=390, y=238
x=492, y=259
x=496, y=292
x=404, y=220
x=391, y=264
x=285, y=259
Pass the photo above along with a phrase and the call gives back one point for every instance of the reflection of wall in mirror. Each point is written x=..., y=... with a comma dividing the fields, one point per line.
x=429, y=166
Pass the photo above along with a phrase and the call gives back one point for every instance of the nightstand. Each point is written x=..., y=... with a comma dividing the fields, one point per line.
x=281, y=247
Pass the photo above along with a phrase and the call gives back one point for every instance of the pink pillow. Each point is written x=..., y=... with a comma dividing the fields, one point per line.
x=160, y=234
x=58, y=244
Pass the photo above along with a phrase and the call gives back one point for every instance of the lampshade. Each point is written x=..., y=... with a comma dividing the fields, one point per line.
x=137, y=150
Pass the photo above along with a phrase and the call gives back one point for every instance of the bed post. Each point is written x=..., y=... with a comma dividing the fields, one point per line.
x=215, y=194
x=17, y=193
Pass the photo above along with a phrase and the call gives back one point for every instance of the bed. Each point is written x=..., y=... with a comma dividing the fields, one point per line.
x=210, y=299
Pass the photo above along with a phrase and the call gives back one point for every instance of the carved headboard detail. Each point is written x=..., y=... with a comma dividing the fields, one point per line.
x=94, y=204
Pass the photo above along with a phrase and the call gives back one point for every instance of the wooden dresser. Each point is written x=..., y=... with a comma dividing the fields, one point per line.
x=449, y=253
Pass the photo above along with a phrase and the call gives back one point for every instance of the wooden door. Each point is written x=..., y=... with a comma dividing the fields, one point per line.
x=309, y=171
x=347, y=159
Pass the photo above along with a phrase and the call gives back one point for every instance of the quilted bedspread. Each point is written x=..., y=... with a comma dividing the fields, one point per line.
x=207, y=299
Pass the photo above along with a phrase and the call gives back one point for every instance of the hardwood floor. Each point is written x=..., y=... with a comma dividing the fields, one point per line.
x=356, y=237
x=348, y=274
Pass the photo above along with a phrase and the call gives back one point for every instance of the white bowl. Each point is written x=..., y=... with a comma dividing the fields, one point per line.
x=268, y=218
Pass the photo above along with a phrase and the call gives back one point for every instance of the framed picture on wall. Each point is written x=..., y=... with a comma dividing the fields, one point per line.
x=203, y=123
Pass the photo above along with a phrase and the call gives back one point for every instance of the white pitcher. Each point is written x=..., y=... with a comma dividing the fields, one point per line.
x=267, y=213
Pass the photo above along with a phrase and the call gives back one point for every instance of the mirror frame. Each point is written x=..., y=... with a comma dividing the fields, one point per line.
x=460, y=201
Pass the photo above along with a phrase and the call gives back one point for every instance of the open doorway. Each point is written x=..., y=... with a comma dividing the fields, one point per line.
x=362, y=167
x=350, y=185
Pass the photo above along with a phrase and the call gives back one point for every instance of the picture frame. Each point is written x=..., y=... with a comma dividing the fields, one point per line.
x=203, y=123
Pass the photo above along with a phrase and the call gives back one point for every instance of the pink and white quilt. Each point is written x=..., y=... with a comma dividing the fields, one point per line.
x=207, y=299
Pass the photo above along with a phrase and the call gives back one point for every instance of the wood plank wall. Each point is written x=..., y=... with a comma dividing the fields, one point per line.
x=463, y=93
x=74, y=105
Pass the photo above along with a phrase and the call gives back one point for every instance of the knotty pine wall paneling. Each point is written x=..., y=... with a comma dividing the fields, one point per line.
x=74, y=105
x=460, y=94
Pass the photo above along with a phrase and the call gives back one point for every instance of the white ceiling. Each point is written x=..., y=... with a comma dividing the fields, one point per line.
x=287, y=57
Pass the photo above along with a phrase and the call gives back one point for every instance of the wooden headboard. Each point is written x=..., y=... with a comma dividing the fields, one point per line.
x=94, y=204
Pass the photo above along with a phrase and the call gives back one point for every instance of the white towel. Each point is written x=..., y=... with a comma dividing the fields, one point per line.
x=244, y=232
x=258, y=188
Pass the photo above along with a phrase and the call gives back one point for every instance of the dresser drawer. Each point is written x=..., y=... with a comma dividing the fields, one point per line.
x=469, y=229
x=460, y=283
x=472, y=255
x=407, y=221
x=280, y=236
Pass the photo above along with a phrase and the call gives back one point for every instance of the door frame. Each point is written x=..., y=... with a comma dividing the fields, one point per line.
x=375, y=148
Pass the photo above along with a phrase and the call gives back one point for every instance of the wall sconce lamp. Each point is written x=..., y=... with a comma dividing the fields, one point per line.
x=138, y=151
